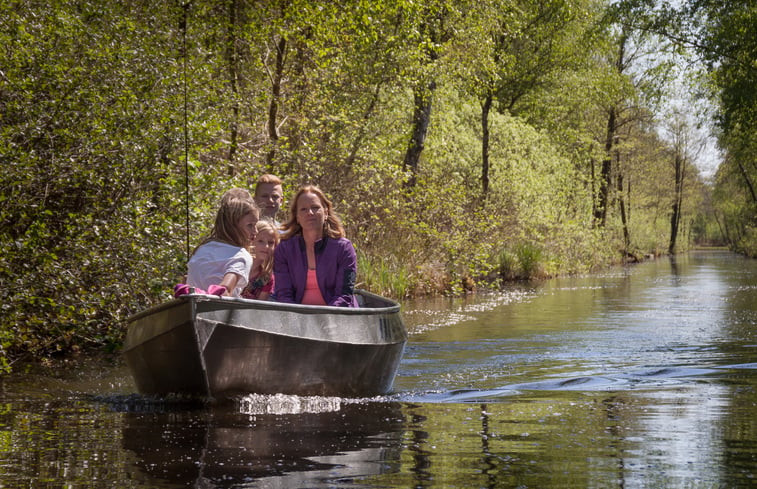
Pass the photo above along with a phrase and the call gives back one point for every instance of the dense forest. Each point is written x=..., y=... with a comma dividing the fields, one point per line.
x=464, y=143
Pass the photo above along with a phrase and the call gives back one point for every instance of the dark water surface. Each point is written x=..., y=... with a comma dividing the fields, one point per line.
x=639, y=377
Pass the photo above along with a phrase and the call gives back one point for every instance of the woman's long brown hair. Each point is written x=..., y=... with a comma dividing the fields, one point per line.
x=332, y=227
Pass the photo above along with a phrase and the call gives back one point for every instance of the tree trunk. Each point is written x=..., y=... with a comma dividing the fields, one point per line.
x=233, y=65
x=747, y=180
x=296, y=100
x=673, y=228
x=485, y=109
x=421, y=119
x=273, y=107
x=600, y=212
x=432, y=28
x=623, y=216
x=183, y=29
x=675, y=217
x=593, y=186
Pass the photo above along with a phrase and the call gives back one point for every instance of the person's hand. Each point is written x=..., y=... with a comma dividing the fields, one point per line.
x=180, y=289
x=217, y=290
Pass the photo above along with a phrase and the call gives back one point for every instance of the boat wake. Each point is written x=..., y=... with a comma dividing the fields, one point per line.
x=645, y=379
x=287, y=404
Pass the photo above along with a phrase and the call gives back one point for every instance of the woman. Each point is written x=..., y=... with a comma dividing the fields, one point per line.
x=314, y=263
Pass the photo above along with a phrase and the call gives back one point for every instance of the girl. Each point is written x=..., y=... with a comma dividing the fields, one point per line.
x=261, y=282
x=221, y=264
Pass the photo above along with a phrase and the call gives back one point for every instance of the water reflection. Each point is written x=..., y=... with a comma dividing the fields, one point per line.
x=224, y=446
x=420, y=453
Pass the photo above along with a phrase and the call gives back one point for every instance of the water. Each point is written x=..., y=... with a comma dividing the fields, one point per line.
x=638, y=377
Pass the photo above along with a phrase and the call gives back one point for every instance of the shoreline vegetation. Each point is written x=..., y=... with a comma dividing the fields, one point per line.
x=465, y=144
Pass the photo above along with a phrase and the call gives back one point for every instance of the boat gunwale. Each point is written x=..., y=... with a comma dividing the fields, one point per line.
x=273, y=305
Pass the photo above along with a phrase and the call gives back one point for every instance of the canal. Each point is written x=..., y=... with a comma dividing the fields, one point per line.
x=638, y=377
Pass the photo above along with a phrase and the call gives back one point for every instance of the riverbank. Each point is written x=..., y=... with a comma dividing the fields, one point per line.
x=390, y=277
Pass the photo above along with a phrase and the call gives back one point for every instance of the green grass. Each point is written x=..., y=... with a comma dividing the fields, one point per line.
x=383, y=276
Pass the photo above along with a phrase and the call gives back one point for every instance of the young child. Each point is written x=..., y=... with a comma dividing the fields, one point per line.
x=221, y=264
x=261, y=282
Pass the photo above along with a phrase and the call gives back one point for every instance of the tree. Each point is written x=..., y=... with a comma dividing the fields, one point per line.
x=646, y=60
x=684, y=151
x=527, y=43
x=722, y=32
x=91, y=98
x=434, y=30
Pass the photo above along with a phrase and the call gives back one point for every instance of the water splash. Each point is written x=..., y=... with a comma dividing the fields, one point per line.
x=287, y=404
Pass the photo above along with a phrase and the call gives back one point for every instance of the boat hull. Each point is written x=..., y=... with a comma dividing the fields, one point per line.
x=209, y=346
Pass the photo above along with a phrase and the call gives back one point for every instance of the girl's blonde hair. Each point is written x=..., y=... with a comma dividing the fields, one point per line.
x=226, y=227
x=267, y=266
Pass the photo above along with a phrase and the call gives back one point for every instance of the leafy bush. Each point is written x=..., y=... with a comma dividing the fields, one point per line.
x=96, y=186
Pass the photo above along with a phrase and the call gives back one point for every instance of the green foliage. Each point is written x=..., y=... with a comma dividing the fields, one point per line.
x=734, y=201
x=88, y=190
x=748, y=243
x=93, y=195
x=723, y=31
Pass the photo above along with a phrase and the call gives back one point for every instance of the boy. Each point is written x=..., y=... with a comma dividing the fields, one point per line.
x=269, y=196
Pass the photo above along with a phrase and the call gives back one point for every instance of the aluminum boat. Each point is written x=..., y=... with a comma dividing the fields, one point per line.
x=215, y=347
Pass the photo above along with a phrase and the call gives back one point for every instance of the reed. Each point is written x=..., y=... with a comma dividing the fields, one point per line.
x=530, y=260
x=524, y=261
x=383, y=275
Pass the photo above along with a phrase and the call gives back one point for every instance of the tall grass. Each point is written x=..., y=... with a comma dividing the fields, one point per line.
x=383, y=275
x=524, y=261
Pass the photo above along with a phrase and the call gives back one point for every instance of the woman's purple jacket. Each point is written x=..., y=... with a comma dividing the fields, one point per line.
x=335, y=267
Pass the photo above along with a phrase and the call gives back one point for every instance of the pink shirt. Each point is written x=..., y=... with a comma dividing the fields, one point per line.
x=313, y=294
x=255, y=287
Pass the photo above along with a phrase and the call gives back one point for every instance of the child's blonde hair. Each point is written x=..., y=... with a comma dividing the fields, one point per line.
x=226, y=228
x=267, y=266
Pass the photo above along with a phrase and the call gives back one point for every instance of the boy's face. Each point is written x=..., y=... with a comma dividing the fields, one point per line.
x=268, y=197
